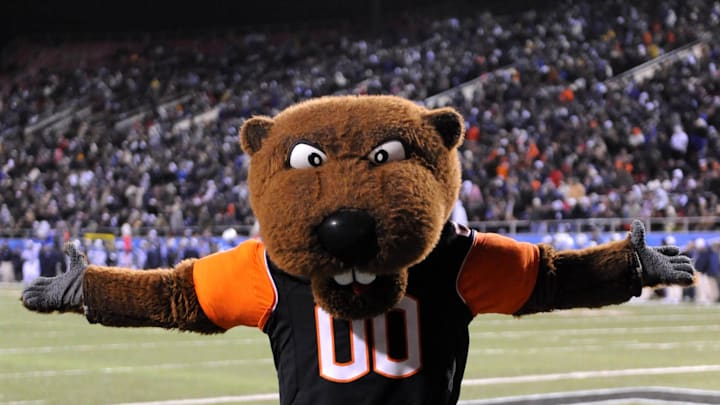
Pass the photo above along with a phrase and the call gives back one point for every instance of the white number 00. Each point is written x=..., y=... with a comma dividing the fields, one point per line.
x=359, y=364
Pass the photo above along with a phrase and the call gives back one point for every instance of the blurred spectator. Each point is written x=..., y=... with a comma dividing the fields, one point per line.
x=112, y=256
x=153, y=253
x=139, y=255
x=459, y=215
x=551, y=134
x=170, y=252
x=715, y=249
x=707, y=264
x=7, y=271
x=124, y=255
x=97, y=253
x=189, y=248
x=17, y=263
x=52, y=261
x=229, y=239
x=30, y=256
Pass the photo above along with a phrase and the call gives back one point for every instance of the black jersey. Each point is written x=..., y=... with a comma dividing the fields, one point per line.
x=414, y=353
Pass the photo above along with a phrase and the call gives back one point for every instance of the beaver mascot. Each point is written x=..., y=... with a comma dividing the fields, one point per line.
x=362, y=284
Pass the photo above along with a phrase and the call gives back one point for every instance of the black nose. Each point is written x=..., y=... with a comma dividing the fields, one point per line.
x=349, y=235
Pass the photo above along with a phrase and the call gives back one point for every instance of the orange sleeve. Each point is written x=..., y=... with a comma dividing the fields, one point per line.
x=498, y=275
x=234, y=287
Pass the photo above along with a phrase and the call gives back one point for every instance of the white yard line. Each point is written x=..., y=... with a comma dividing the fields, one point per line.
x=543, y=377
x=38, y=402
x=581, y=375
x=629, y=393
x=584, y=347
x=575, y=375
x=215, y=400
x=584, y=318
x=599, y=331
x=557, y=333
x=581, y=346
x=128, y=346
x=84, y=330
x=474, y=382
x=130, y=369
x=479, y=323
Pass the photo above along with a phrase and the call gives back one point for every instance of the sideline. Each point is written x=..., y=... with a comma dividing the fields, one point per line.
x=216, y=400
x=127, y=346
x=555, y=398
x=574, y=375
x=648, y=395
x=131, y=369
x=585, y=346
x=580, y=375
x=651, y=330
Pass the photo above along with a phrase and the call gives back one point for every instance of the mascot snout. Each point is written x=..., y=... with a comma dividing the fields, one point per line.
x=349, y=235
x=365, y=194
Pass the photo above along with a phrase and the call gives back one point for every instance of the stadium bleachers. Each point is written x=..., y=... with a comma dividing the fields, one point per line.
x=579, y=117
x=81, y=123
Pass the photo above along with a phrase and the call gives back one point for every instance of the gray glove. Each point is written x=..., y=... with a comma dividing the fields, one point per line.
x=62, y=293
x=660, y=265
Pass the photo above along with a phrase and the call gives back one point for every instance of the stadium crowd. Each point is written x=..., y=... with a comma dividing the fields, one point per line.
x=549, y=136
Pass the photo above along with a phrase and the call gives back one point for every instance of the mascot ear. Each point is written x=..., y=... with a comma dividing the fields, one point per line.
x=448, y=123
x=253, y=132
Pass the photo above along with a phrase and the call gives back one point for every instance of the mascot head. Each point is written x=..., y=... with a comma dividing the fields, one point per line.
x=350, y=191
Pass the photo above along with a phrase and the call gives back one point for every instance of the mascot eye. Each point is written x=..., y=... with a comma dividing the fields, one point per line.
x=390, y=151
x=304, y=156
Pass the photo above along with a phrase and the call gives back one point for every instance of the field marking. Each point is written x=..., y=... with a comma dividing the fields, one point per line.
x=476, y=328
x=490, y=381
x=557, y=333
x=126, y=346
x=636, y=394
x=711, y=317
x=575, y=375
x=479, y=381
x=697, y=345
x=37, y=402
x=598, y=331
x=101, y=331
x=571, y=317
x=580, y=375
x=131, y=369
x=211, y=400
x=582, y=346
x=623, y=401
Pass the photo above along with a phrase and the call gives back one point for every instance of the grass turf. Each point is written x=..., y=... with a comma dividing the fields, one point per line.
x=61, y=359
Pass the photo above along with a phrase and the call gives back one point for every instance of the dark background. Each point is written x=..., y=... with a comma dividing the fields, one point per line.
x=82, y=17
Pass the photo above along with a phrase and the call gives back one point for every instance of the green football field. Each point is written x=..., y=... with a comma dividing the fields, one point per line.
x=61, y=359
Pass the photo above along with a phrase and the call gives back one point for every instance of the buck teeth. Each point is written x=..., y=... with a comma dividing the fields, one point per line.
x=364, y=278
x=344, y=278
x=349, y=276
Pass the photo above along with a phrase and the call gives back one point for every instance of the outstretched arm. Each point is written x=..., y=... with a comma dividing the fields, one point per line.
x=165, y=297
x=610, y=273
x=501, y=275
x=207, y=295
x=122, y=297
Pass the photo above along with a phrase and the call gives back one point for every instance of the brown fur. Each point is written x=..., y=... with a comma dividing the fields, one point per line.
x=410, y=200
x=164, y=297
x=591, y=277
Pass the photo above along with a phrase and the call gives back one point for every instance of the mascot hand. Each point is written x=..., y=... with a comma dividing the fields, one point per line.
x=660, y=265
x=62, y=293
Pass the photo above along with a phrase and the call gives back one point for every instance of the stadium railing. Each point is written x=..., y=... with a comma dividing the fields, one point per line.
x=677, y=225
x=647, y=70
